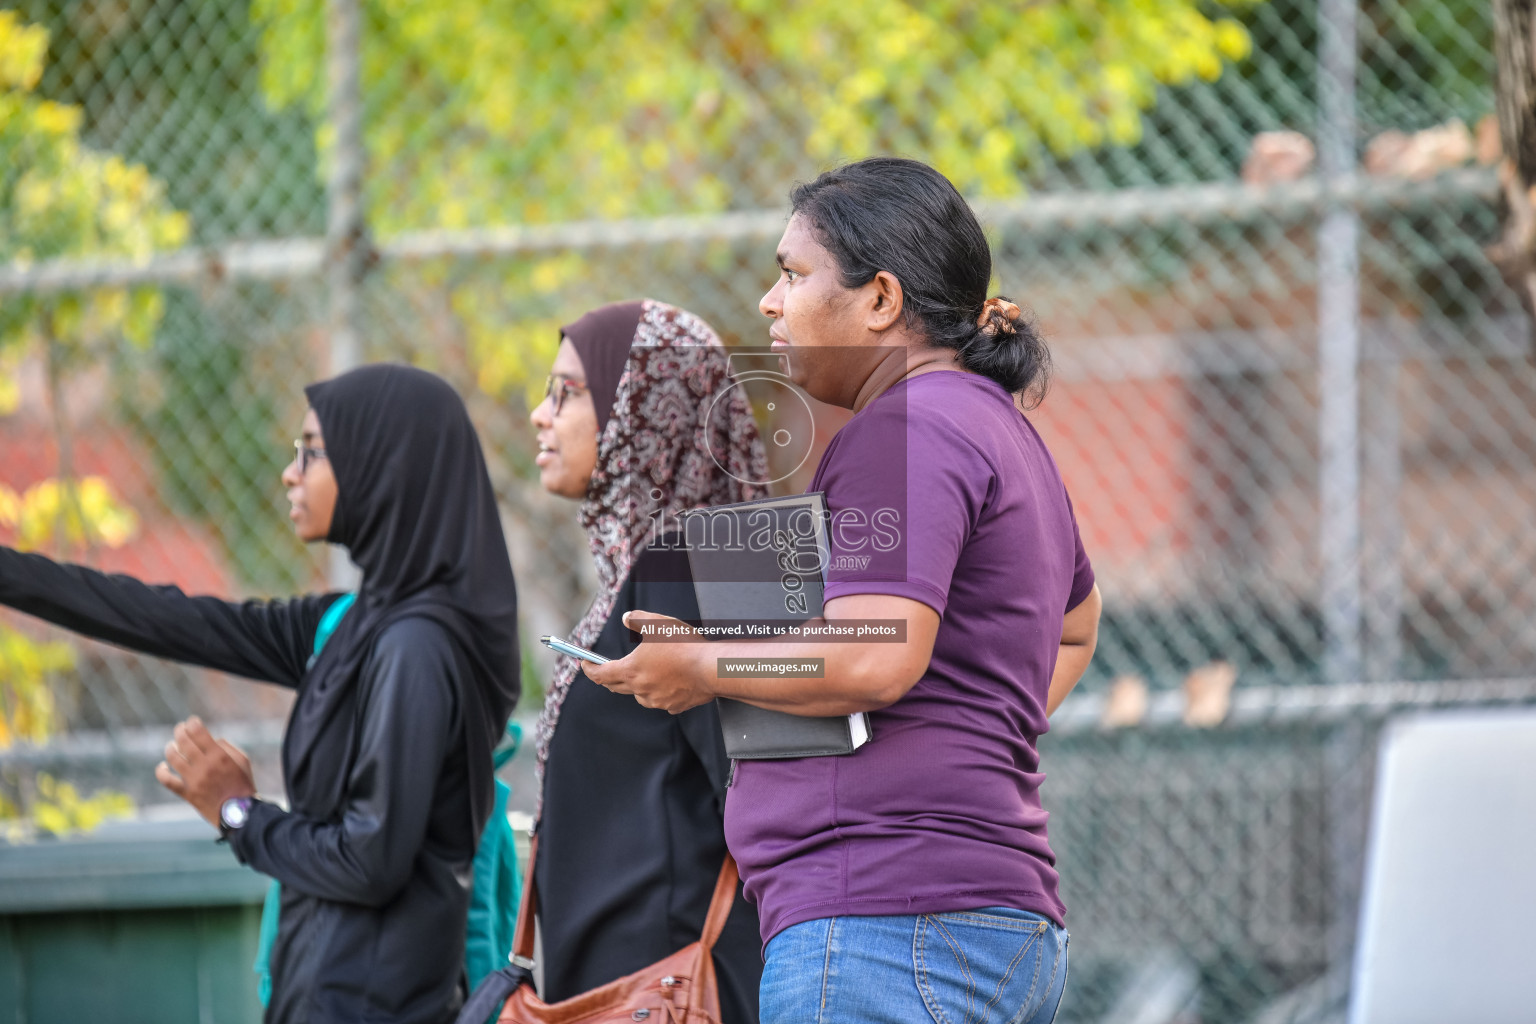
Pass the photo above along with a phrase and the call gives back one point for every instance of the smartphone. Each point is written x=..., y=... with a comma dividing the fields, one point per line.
x=554, y=643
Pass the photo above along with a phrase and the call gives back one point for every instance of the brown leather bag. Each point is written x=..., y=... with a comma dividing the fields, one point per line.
x=681, y=989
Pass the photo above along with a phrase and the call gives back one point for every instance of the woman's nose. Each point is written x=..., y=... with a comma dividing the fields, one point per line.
x=539, y=416
x=769, y=304
x=291, y=476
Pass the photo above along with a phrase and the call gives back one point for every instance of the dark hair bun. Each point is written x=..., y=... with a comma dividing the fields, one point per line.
x=1008, y=348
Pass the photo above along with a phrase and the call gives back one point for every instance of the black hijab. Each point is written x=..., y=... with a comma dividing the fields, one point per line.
x=414, y=507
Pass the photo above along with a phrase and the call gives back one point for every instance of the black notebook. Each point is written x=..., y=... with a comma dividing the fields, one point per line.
x=759, y=570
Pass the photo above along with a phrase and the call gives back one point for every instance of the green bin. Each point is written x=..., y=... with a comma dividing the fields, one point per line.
x=142, y=921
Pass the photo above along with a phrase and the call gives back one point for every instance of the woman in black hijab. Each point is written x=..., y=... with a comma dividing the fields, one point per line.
x=387, y=756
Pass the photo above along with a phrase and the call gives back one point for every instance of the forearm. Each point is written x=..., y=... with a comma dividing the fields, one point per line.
x=847, y=676
x=363, y=853
x=321, y=859
x=1071, y=662
x=846, y=682
x=851, y=680
x=109, y=608
x=156, y=620
x=1079, y=638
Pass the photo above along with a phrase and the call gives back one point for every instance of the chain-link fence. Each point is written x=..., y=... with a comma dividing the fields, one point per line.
x=1294, y=402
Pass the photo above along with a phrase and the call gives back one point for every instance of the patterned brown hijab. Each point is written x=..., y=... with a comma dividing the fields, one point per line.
x=677, y=435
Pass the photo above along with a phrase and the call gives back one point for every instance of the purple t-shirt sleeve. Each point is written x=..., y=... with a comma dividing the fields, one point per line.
x=1082, y=570
x=904, y=497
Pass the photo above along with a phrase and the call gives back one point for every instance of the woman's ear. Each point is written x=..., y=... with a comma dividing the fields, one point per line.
x=885, y=301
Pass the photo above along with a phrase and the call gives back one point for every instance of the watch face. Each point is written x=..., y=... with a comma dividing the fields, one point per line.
x=235, y=811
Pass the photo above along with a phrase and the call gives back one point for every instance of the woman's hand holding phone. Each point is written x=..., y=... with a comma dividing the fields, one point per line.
x=554, y=643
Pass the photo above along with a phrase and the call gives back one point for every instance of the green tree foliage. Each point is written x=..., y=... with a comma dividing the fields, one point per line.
x=60, y=198
x=67, y=515
x=488, y=113
x=172, y=86
x=557, y=110
x=1434, y=62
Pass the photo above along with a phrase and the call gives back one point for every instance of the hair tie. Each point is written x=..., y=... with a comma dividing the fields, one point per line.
x=998, y=314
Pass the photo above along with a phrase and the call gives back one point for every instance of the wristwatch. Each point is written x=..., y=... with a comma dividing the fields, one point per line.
x=234, y=813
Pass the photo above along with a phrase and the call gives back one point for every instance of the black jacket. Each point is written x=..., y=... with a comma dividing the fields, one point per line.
x=631, y=839
x=374, y=901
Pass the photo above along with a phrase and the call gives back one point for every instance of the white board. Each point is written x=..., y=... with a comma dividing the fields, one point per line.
x=1448, y=920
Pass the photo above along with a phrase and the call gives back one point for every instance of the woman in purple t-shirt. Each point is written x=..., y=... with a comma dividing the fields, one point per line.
x=913, y=877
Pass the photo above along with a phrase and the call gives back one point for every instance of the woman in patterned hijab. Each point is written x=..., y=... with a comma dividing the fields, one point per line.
x=639, y=422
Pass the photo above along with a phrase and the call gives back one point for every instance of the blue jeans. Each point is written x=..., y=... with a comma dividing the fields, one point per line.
x=989, y=966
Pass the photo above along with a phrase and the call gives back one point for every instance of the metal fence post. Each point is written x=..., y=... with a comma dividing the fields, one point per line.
x=1338, y=323
x=1382, y=541
x=346, y=227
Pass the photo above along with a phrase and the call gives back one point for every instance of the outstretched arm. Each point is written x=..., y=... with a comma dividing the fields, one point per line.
x=266, y=640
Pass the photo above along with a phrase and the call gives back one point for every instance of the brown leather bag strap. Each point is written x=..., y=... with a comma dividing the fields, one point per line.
x=714, y=922
x=720, y=903
x=522, y=938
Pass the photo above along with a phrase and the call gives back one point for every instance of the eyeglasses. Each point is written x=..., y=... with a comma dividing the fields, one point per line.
x=306, y=455
x=556, y=394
